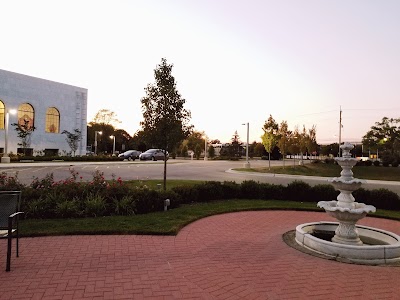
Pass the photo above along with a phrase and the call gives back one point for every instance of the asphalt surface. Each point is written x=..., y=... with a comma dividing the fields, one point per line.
x=176, y=169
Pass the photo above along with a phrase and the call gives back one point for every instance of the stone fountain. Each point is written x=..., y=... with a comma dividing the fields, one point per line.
x=344, y=240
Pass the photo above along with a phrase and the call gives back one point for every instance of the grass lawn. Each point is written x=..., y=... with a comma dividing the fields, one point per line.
x=162, y=223
x=331, y=170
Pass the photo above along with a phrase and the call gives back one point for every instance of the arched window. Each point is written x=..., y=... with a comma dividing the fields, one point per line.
x=52, y=120
x=26, y=115
x=2, y=111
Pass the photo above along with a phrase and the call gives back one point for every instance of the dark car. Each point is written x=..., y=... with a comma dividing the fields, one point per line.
x=153, y=154
x=130, y=154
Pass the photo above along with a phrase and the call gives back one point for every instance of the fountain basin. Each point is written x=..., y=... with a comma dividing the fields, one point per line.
x=349, y=185
x=379, y=246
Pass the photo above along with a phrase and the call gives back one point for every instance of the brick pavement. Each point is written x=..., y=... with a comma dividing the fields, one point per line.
x=230, y=256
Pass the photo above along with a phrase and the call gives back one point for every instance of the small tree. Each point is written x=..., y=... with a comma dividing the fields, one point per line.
x=197, y=151
x=283, y=139
x=165, y=120
x=24, y=132
x=73, y=139
x=270, y=136
x=211, y=151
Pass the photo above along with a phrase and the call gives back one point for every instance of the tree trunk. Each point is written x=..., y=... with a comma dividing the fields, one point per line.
x=165, y=170
x=269, y=160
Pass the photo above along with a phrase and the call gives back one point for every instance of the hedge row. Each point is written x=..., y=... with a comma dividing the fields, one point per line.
x=72, y=198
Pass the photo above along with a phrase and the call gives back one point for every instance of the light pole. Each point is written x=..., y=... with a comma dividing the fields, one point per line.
x=113, y=137
x=247, y=164
x=95, y=140
x=205, y=147
x=6, y=158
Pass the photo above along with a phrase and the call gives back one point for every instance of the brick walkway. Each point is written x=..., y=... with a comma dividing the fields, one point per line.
x=230, y=256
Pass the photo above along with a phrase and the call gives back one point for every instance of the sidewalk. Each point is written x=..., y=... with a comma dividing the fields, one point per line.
x=230, y=256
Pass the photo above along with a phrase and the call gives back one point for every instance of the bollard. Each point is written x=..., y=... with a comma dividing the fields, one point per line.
x=167, y=203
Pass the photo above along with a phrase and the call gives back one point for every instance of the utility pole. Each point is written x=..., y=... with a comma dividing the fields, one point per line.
x=340, y=129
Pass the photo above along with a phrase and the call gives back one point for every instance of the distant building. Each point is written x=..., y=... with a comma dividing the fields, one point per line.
x=49, y=106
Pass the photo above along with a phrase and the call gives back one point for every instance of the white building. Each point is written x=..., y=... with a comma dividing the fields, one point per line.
x=50, y=107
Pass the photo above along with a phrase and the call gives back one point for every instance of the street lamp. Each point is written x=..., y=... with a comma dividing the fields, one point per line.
x=113, y=137
x=6, y=158
x=205, y=147
x=95, y=140
x=247, y=164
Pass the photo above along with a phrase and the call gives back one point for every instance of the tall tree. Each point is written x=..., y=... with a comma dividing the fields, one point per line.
x=383, y=135
x=283, y=140
x=312, y=140
x=165, y=120
x=106, y=116
x=195, y=139
x=293, y=144
x=270, y=136
x=303, y=141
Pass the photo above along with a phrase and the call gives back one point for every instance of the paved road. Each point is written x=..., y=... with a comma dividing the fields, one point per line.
x=177, y=169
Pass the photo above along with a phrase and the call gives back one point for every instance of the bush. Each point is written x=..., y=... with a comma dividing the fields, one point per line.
x=380, y=198
x=329, y=160
x=298, y=191
x=377, y=163
x=95, y=205
x=231, y=189
x=264, y=157
x=273, y=191
x=323, y=192
x=395, y=164
x=250, y=189
x=368, y=163
x=187, y=194
x=209, y=191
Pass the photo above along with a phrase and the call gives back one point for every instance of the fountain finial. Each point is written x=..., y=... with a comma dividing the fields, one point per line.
x=346, y=148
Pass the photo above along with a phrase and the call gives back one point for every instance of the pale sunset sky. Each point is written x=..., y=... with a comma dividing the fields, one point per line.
x=235, y=61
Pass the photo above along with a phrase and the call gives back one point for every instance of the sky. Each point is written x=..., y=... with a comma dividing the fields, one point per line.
x=235, y=61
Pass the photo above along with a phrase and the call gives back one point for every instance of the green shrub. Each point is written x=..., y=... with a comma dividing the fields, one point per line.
x=368, y=162
x=126, y=206
x=231, y=189
x=323, y=192
x=209, y=191
x=395, y=164
x=298, y=191
x=187, y=194
x=95, y=205
x=147, y=201
x=68, y=209
x=376, y=163
x=380, y=198
x=273, y=191
x=250, y=189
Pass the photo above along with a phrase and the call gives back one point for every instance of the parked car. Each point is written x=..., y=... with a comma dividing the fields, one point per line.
x=153, y=154
x=130, y=154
